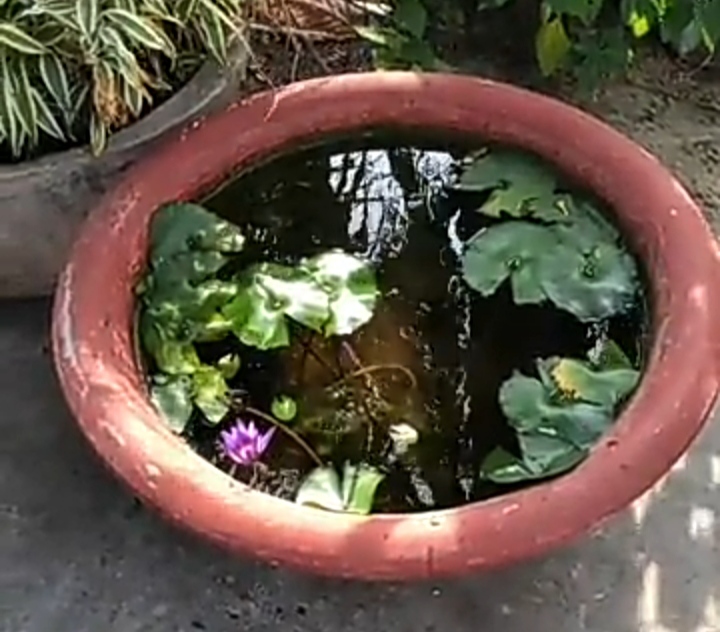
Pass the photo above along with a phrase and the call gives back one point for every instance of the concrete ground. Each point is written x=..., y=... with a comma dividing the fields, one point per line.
x=78, y=554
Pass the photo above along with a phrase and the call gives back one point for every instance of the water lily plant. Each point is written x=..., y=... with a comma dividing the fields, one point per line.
x=199, y=295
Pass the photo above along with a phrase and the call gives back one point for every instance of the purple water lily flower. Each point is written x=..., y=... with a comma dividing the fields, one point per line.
x=244, y=443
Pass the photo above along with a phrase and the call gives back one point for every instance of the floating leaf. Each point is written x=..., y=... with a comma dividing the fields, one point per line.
x=295, y=292
x=608, y=355
x=210, y=393
x=229, y=365
x=322, y=489
x=593, y=284
x=173, y=398
x=521, y=184
x=359, y=485
x=284, y=408
x=580, y=381
x=256, y=319
x=511, y=249
x=182, y=227
x=351, y=286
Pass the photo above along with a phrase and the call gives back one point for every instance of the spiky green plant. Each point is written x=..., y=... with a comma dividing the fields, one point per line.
x=79, y=69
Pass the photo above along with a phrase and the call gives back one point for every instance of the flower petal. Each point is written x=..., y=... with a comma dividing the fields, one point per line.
x=264, y=440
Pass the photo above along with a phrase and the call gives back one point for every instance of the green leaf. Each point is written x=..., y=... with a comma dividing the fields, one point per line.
x=181, y=227
x=359, y=484
x=212, y=33
x=284, y=408
x=521, y=184
x=294, y=292
x=381, y=36
x=55, y=79
x=8, y=110
x=554, y=434
x=511, y=249
x=411, y=16
x=18, y=40
x=584, y=10
x=322, y=489
x=351, y=286
x=172, y=398
x=184, y=9
x=45, y=118
x=87, y=12
x=592, y=284
x=578, y=380
x=502, y=467
x=25, y=105
x=256, y=319
x=210, y=393
x=552, y=46
x=229, y=365
x=139, y=29
x=608, y=355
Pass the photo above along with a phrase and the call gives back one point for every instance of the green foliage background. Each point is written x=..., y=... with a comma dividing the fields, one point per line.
x=594, y=39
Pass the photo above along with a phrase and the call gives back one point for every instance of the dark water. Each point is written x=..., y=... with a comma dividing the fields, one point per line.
x=386, y=201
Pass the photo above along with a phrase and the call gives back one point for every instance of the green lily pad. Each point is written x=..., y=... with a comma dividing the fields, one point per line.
x=178, y=228
x=323, y=489
x=522, y=185
x=295, y=292
x=173, y=398
x=591, y=285
x=284, y=408
x=579, y=380
x=257, y=320
x=229, y=365
x=210, y=393
x=351, y=287
x=511, y=249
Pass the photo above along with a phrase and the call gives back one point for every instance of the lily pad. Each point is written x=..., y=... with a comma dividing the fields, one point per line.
x=178, y=228
x=592, y=284
x=580, y=381
x=229, y=365
x=511, y=249
x=323, y=489
x=351, y=287
x=522, y=185
x=295, y=292
x=173, y=398
x=256, y=319
x=284, y=408
x=210, y=393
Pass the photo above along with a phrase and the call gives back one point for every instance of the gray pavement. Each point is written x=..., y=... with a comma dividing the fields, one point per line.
x=79, y=554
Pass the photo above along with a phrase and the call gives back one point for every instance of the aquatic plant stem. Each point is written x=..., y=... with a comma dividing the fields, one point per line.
x=373, y=368
x=290, y=433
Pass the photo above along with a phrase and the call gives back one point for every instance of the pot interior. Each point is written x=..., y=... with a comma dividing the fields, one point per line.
x=437, y=353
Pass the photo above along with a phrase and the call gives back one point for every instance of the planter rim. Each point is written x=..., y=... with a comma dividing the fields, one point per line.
x=185, y=104
x=94, y=354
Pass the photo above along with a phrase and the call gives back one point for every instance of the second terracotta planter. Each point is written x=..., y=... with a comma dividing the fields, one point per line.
x=93, y=336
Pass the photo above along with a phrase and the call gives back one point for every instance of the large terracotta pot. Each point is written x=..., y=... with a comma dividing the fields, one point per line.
x=99, y=371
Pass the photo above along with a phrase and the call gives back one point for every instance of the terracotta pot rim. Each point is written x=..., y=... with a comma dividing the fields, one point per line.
x=95, y=358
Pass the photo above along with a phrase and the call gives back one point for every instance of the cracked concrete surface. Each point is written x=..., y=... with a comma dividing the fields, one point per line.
x=78, y=554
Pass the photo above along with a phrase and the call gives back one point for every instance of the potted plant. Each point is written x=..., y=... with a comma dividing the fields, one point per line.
x=170, y=319
x=73, y=75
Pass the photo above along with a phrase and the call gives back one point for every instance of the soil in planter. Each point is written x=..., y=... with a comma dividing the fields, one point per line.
x=434, y=354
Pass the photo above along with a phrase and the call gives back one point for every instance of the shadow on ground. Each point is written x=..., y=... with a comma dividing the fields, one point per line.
x=78, y=554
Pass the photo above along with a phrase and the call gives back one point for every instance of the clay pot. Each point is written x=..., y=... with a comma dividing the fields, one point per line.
x=98, y=368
